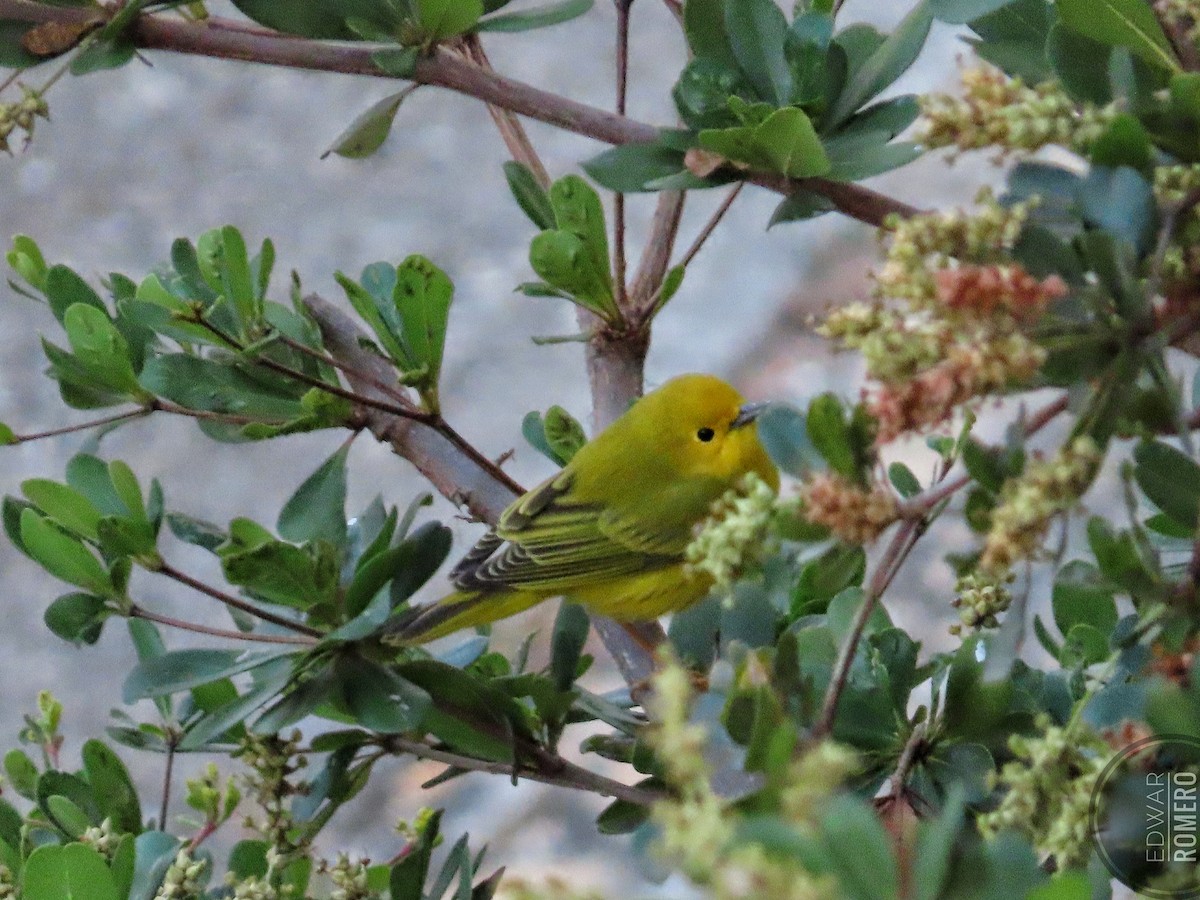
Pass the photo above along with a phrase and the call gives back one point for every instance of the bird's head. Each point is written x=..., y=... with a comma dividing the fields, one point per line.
x=707, y=428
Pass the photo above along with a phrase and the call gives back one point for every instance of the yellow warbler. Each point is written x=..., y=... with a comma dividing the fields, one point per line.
x=609, y=530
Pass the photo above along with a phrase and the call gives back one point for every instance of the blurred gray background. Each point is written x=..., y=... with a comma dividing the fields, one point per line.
x=139, y=156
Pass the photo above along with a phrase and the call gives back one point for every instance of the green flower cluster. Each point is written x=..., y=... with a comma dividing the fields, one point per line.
x=1171, y=185
x=1028, y=502
x=998, y=111
x=22, y=116
x=102, y=839
x=737, y=536
x=551, y=889
x=1181, y=14
x=949, y=320
x=1050, y=787
x=924, y=244
x=982, y=596
x=183, y=880
x=698, y=828
x=8, y=884
x=272, y=759
x=349, y=878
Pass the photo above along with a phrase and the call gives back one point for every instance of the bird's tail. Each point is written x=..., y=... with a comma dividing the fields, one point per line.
x=463, y=609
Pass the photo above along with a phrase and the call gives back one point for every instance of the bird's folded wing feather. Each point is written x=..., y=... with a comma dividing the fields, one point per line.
x=547, y=541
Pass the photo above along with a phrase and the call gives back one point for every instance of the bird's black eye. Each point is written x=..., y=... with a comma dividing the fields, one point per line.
x=706, y=434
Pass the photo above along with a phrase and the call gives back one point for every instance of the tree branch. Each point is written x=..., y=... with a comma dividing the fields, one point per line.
x=224, y=39
x=551, y=769
x=137, y=612
x=234, y=602
x=453, y=472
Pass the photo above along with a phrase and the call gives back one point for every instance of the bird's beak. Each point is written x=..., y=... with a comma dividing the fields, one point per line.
x=748, y=413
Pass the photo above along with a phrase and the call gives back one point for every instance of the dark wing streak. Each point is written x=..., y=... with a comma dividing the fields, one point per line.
x=460, y=576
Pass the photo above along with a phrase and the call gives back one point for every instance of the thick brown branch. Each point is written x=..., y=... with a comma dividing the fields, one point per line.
x=455, y=474
x=230, y=40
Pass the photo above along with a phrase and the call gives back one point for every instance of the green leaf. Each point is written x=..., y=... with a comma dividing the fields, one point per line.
x=860, y=851
x=65, y=505
x=1170, y=479
x=578, y=212
x=935, y=846
x=1120, y=201
x=564, y=435
x=830, y=434
x=114, y=788
x=279, y=572
x=102, y=51
x=269, y=681
x=756, y=31
x=22, y=773
x=178, y=670
x=1121, y=23
x=13, y=54
x=1072, y=885
x=64, y=289
x=903, y=479
x=446, y=18
x=317, y=510
x=154, y=851
x=379, y=699
x=77, y=618
x=422, y=295
x=62, y=555
x=564, y=261
x=1084, y=645
x=629, y=168
x=704, y=25
x=571, y=628
x=530, y=195
x=369, y=130
x=1014, y=39
x=399, y=62
x=784, y=435
x=960, y=12
x=891, y=60
x=785, y=141
x=209, y=385
x=25, y=257
x=236, y=278
x=100, y=347
x=70, y=872
x=1075, y=60
x=320, y=19
x=1082, y=595
x=1124, y=143
x=536, y=17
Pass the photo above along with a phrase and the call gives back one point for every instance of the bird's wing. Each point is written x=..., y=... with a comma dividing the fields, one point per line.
x=548, y=542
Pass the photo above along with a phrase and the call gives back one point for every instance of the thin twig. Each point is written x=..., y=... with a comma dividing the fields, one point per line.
x=551, y=770
x=885, y=570
x=138, y=612
x=619, y=198
x=653, y=304
x=168, y=771
x=919, y=506
x=383, y=387
x=83, y=426
x=908, y=756
x=212, y=415
x=235, y=602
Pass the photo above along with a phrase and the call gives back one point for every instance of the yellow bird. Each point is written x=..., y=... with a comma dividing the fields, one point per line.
x=609, y=531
